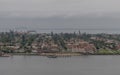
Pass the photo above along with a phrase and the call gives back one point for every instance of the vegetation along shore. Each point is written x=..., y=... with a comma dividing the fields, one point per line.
x=76, y=43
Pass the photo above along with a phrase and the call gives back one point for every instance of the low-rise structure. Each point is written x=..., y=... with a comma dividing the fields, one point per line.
x=82, y=47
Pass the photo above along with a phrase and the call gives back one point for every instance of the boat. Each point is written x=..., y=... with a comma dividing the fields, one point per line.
x=52, y=56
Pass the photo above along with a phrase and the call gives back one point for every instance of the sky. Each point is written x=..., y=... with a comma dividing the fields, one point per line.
x=81, y=14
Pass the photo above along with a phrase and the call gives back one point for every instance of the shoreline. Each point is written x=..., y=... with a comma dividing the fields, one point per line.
x=47, y=54
x=57, y=54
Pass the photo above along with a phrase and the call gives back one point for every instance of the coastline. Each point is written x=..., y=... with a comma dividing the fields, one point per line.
x=58, y=54
x=47, y=54
x=61, y=54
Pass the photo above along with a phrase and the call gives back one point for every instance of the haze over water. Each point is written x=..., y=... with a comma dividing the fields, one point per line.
x=64, y=30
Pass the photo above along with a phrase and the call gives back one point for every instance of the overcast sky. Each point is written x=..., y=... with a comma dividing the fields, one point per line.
x=59, y=14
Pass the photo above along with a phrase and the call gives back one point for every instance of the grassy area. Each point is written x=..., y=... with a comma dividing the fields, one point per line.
x=108, y=52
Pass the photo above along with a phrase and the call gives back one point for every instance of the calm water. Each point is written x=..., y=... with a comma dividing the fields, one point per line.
x=81, y=65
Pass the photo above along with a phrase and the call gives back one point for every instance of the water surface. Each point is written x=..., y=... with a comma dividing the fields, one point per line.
x=80, y=65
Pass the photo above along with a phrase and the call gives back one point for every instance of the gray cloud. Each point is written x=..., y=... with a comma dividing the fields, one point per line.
x=48, y=8
x=59, y=13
